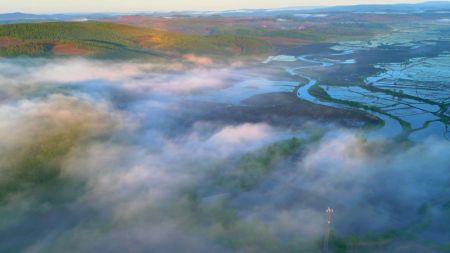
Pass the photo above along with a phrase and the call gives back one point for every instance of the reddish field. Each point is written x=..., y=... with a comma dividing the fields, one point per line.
x=68, y=49
x=8, y=41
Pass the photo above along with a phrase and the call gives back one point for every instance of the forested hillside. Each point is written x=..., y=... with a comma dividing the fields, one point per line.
x=110, y=39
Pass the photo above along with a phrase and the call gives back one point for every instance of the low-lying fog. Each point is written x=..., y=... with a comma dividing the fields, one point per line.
x=99, y=156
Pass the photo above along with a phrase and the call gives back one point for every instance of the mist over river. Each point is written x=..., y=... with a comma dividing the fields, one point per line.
x=132, y=156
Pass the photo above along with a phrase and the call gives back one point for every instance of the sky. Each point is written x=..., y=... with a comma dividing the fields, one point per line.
x=52, y=6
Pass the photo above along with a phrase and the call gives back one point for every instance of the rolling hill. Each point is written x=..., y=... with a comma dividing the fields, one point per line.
x=103, y=39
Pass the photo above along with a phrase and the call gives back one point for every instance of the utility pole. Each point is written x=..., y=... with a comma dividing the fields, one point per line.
x=329, y=212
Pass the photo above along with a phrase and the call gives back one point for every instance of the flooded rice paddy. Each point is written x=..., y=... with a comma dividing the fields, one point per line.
x=411, y=96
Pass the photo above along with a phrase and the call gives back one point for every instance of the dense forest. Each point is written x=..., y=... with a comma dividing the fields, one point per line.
x=109, y=39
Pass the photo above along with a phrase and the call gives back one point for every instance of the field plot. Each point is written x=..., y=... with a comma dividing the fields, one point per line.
x=402, y=77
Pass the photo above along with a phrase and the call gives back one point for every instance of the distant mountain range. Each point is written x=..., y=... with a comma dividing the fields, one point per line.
x=19, y=16
x=422, y=7
x=425, y=6
x=418, y=7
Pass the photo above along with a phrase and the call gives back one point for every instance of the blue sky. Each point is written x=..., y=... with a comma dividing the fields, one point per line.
x=39, y=6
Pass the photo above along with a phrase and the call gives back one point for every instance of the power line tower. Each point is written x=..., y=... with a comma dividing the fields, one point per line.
x=329, y=213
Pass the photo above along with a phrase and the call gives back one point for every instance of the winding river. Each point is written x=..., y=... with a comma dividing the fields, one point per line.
x=390, y=128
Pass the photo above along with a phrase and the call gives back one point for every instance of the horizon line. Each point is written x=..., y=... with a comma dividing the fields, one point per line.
x=304, y=7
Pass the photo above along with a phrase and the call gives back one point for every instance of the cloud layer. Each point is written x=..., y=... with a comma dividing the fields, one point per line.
x=98, y=156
